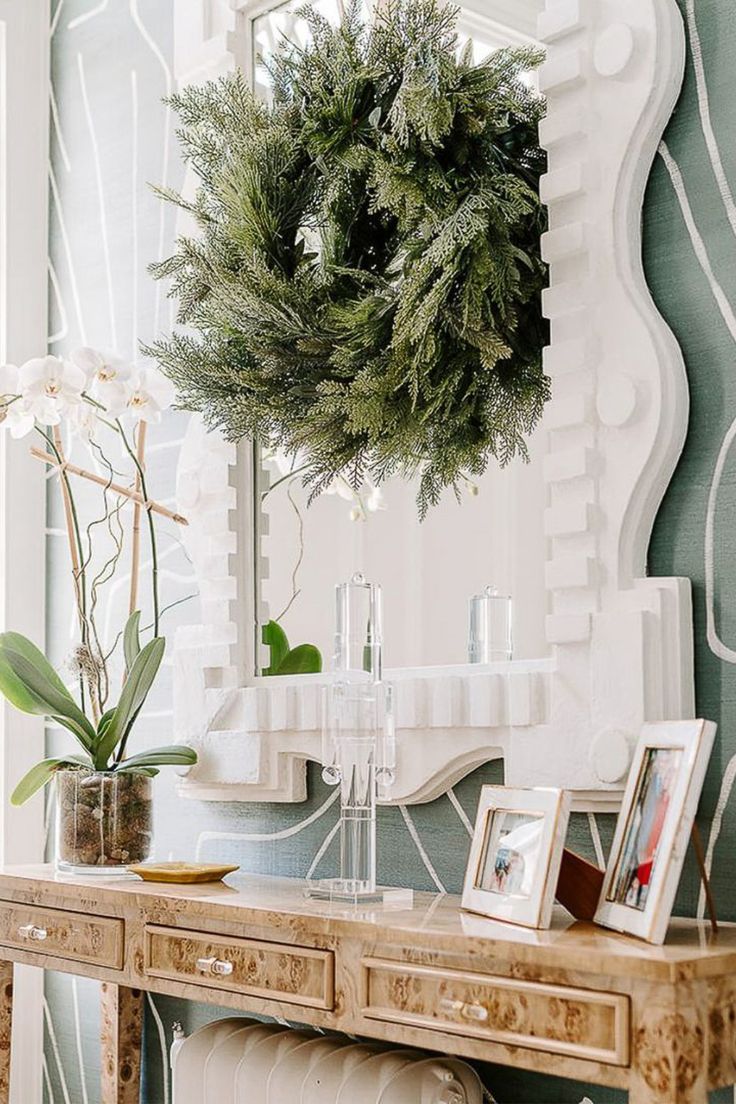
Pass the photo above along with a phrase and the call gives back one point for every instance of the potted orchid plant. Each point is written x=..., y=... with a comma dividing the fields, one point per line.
x=104, y=804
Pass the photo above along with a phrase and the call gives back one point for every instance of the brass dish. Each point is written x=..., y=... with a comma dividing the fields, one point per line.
x=182, y=873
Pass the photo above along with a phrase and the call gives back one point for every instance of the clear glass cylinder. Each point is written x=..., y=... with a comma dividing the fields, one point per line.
x=490, y=636
x=104, y=821
x=356, y=722
x=358, y=628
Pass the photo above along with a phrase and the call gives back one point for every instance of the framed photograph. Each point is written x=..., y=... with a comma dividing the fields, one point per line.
x=654, y=826
x=516, y=852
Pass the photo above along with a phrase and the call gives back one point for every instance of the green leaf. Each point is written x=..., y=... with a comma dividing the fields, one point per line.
x=14, y=689
x=174, y=755
x=148, y=772
x=131, y=639
x=306, y=659
x=274, y=637
x=30, y=684
x=104, y=721
x=36, y=777
x=80, y=761
x=19, y=643
x=137, y=685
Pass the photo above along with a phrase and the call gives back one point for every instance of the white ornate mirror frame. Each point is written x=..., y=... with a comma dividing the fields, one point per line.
x=621, y=643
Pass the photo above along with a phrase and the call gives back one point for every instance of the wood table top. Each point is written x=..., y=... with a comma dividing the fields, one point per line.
x=434, y=921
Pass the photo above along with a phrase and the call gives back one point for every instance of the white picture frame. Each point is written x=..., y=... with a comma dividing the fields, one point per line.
x=515, y=856
x=653, y=828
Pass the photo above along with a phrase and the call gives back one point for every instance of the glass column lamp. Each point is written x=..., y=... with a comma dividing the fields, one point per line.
x=358, y=745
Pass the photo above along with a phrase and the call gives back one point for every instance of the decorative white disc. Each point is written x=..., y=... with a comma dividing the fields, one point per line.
x=614, y=49
x=615, y=398
x=610, y=755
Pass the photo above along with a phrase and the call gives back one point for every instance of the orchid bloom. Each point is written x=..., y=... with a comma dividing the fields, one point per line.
x=367, y=500
x=83, y=420
x=50, y=387
x=14, y=413
x=288, y=463
x=149, y=394
x=107, y=377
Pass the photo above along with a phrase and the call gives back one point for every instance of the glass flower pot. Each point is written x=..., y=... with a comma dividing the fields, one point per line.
x=104, y=821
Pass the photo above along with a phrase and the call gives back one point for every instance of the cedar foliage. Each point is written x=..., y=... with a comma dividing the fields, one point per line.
x=365, y=283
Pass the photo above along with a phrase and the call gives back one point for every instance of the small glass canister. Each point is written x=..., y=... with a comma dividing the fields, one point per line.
x=358, y=629
x=490, y=638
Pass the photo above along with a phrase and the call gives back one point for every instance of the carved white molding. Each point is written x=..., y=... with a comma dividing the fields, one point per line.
x=615, y=426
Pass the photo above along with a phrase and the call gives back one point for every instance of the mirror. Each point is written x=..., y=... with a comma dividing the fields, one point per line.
x=490, y=534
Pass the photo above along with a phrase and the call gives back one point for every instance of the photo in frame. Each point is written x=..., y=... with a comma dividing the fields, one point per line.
x=515, y=855
x=654, y=826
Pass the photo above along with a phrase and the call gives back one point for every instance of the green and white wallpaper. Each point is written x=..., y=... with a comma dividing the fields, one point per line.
x=111, y=137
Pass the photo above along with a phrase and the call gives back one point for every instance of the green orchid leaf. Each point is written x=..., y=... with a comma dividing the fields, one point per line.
x=306, y=659
x=104, y=721
x=177, y=755
x=147, y=772
x=80, y=761
x=31, y=685
x=34, y=655
x=276, y=640
x=12, y=687
x=137, y=685
x=36, y=777
x=16, y=692
x=131, y=639
x=76, y=730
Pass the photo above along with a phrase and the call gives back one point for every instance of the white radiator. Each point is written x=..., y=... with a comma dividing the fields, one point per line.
x=237, y=1061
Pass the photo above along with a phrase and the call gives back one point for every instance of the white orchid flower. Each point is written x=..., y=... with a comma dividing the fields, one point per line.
x=149, y=394
x=83, y=420
x=373, y=498
x=18, y=418
x=107, y=377
x=366, y=501
x=340, y=486
x=286, y=462
x=17, y=413
x=50, y=387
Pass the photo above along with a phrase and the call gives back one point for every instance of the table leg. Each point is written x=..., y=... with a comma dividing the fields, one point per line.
x=121, y=1038
x=670, y=1045
x=6, y=1022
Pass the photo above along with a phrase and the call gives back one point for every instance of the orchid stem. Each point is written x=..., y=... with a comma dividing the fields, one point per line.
x=151, y=527
x=75, y=547
x=135, y=561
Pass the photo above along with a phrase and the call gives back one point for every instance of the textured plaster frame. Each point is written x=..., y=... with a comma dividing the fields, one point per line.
x=621, y=643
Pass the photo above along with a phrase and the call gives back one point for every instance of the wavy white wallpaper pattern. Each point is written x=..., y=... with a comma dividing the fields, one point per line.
x=111, y=135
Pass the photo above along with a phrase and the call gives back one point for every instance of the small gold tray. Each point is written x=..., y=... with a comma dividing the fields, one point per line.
x=182, y=872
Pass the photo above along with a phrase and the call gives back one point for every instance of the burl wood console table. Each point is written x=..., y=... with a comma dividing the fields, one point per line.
x=575, y=1001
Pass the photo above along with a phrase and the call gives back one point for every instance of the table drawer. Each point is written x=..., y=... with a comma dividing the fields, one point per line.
x=276, y=971
x=61, y=934
x=560, y=1020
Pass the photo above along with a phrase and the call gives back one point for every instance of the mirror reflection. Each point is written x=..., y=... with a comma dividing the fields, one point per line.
x=490, y=533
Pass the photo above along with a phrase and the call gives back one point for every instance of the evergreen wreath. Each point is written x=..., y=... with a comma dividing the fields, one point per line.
x=365, y=286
